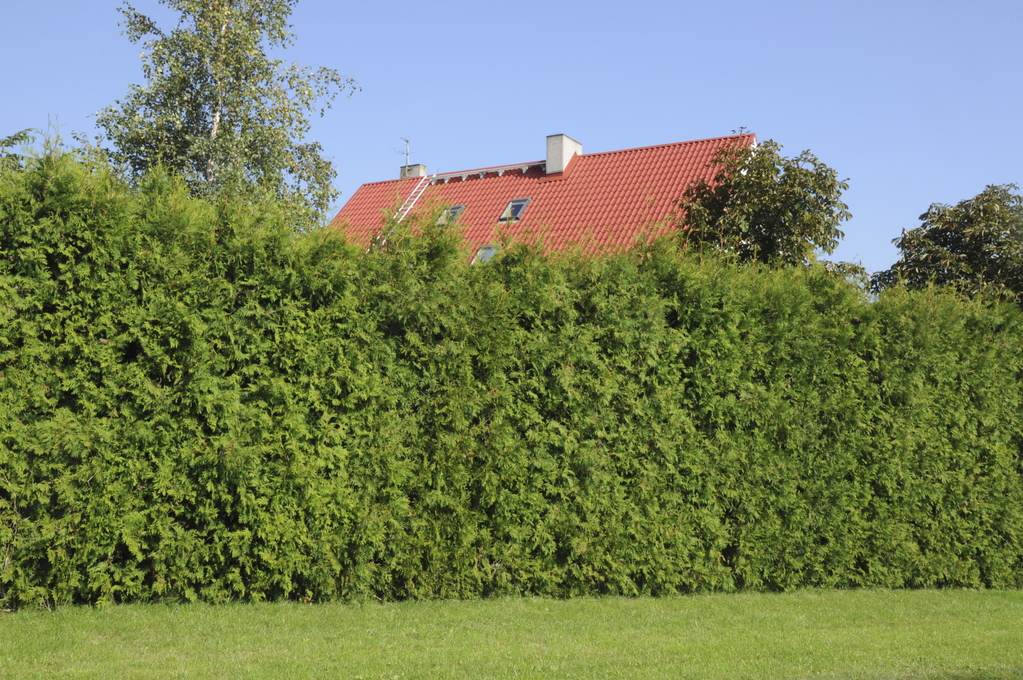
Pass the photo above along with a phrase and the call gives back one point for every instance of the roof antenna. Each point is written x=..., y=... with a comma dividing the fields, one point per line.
x=405, y=151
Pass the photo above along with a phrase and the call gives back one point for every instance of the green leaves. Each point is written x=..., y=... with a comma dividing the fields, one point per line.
x=974, y=246
x=216, y=110
x=198, y=403
x=8, y=159
x=763, y=207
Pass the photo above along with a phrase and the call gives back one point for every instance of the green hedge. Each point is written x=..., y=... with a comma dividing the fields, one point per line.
x=198, y=404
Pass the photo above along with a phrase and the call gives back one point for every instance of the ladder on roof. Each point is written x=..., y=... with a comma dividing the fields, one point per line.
x=381, y=240
x=410, y=202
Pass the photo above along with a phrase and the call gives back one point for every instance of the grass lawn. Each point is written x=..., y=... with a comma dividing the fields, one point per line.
x=808, y=634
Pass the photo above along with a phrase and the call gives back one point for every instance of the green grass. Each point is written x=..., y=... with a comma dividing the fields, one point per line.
x=808, y=634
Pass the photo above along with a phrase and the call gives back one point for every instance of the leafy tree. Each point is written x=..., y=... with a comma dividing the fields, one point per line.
x=974, y=245
x=763, y=207
x=8, y=159
x=220, y=112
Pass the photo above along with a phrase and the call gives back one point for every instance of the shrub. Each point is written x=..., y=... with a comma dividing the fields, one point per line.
x=197, y=403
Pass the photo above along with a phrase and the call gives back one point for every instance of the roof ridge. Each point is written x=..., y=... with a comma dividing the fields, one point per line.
x=658, y=146
x=496, y=168
x=493, y=168
x=390, y=181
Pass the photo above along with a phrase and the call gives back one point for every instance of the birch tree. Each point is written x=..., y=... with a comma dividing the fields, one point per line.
x=216, y=109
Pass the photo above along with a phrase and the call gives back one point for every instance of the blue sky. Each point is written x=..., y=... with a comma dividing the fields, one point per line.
x=914, y=102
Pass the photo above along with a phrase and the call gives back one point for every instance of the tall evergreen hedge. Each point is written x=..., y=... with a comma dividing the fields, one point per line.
x=198, y=404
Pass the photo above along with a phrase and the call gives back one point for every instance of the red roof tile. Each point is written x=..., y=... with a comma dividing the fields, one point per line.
x=603, y=201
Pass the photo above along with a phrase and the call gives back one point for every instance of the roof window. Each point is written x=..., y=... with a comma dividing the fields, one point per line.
x=450, y=214
x=485, y=254
x=514, y=210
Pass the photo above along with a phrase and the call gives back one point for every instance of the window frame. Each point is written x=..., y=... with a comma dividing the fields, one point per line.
x=485, y=253
x=450, y=214
x=510, y=213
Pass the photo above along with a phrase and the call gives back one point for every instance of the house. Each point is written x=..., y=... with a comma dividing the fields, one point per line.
x=598, y=202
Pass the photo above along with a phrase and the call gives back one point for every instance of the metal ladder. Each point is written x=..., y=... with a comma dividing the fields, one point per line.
x=410, y=202
x=381, y=239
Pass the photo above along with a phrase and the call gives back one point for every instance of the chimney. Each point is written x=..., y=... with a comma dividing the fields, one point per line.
x=560, y=149
x=416, y=170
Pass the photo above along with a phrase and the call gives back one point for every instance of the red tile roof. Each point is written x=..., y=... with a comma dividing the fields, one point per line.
x=603, y=201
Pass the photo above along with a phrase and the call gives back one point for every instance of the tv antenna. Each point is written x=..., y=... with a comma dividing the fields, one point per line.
x=405, y=150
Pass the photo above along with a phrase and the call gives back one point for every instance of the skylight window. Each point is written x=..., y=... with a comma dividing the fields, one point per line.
x=514, y=210
x=450, y=214
x=485, y=254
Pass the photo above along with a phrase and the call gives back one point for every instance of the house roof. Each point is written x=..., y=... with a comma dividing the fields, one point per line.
x=602, y=201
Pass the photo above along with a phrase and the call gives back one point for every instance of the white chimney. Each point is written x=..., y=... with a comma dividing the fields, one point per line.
x=416, y=170
x=560, y=149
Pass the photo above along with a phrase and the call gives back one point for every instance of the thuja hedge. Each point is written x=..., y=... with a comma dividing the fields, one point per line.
x=197, y=403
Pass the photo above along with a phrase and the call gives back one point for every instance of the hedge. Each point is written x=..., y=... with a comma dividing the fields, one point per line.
x=198, y=404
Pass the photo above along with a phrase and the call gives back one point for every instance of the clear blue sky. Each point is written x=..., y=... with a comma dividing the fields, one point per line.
x=915, y=102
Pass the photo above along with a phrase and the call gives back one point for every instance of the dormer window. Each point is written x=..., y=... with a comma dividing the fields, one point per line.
x=485, y=254
x=514, y=210
x=450, y=214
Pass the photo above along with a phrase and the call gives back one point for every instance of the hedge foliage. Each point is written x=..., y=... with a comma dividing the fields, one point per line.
x=197, y=403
